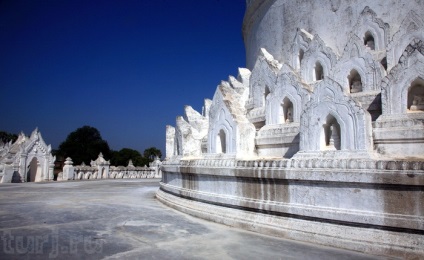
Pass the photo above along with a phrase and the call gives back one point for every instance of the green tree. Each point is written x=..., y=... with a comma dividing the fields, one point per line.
x=6, y=137
x=143, y=161
x=84, y=145
x=151, y=153
x=123, y=156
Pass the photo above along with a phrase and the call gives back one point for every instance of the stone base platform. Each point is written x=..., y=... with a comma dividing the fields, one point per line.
x=369, y=206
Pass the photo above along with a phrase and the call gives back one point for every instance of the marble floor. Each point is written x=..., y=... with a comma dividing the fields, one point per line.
x=121, y=219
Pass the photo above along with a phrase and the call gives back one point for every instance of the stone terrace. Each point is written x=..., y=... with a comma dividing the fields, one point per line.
x=117, y=219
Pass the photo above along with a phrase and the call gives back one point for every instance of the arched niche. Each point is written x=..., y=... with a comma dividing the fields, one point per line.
x=396, y=91
x=383, y=63
x=34, y=170
x=263, y=76
x=229, y=114
x=415, y=102
x=103, y=173
x=265, y=94
x=221, y=142
x=318, y=72
x=369, y=40
x=330, y=138
x=357, y=63
x=317, y=61
x=222, y=139
x=286, y=111
x=221, y=132
x=331, y=107
x=288, y=91
x=300, y=57
x=355, y=81
x=372, y=30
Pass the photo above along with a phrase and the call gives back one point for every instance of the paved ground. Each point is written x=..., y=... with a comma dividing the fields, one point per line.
x=121, y=219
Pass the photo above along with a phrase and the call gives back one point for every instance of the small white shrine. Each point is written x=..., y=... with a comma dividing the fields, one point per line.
x=28, y=159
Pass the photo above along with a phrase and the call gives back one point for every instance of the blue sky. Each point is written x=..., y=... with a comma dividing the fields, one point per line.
x=124, y=67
